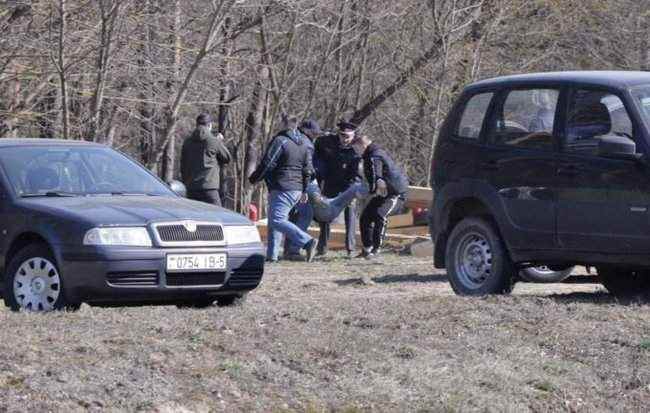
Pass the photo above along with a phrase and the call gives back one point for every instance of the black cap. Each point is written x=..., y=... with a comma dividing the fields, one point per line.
x=203, y=119
x=344, y=125
x=310, y=125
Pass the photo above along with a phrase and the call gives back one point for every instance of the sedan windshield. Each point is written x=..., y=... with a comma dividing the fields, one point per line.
x=75, y=171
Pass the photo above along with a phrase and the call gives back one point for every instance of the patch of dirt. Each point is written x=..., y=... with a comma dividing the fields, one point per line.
x=314, y=338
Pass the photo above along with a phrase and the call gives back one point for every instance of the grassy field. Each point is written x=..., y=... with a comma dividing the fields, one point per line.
x=312, y=338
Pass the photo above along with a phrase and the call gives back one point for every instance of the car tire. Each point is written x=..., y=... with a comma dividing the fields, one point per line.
x=477, y=260
x=33, y=282
x=230, y=300
x=624, y=283
x=545, y=275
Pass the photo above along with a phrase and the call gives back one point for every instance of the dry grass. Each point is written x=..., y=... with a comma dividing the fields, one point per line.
x=312, y=339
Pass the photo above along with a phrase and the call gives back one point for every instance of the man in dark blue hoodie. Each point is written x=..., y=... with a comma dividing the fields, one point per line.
x=387, y=184
x=287, y=169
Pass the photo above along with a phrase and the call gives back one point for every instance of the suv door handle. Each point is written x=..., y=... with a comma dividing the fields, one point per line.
x=490, y=165
x=569, y=170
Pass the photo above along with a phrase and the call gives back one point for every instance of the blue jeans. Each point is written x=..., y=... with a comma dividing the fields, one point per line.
x=280, y=205
x=304, y=215
x=326, y=210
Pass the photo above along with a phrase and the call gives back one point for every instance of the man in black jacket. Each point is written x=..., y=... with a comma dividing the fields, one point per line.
x=202, y=156
x=287, y=169
x=388, y=185
x=338, y=169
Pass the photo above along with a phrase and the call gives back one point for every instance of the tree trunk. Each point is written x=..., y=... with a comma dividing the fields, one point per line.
x=61, y=68
x=168, y=161
x=109, y=15
x=253, y=132
x=225, y=190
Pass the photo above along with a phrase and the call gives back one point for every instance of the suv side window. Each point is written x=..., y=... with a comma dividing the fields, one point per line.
x=593, y=114
x=525, y=119
x=474, y=113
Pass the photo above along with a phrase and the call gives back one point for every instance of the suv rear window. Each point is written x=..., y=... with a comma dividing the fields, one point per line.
x=471, y=122
x=525, y=119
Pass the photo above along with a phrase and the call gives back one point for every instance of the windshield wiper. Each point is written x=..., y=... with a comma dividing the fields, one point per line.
x=53, y=194
x=119, y=193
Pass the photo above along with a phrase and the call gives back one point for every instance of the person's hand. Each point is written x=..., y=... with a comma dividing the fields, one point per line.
x=382, y=189
x=220, y=135
x=304, y=198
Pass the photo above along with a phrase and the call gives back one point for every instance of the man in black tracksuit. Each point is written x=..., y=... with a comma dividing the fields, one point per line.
x=337, y=165
x=287, y=169
x=388, y=185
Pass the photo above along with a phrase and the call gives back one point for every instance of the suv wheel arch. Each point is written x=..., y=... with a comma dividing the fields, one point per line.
x=455, y=212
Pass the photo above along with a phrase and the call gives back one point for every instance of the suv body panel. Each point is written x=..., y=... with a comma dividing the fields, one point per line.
x=530, y=195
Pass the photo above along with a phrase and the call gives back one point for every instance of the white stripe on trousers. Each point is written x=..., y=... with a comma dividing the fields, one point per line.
x=385, y=219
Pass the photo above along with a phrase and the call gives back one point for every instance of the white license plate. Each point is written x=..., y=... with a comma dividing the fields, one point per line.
x=196, y=262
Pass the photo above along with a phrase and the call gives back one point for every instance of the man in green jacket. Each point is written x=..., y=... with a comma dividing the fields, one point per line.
x=202, y=157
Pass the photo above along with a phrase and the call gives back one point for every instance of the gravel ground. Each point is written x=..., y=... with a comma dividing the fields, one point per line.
x=312, y=338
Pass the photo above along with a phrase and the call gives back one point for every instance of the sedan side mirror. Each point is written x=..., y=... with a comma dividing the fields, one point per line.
x=618, y=147
x=179, y=188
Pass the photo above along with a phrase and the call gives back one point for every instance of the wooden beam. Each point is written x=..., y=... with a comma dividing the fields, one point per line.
x=337, y=236
x=419, y=197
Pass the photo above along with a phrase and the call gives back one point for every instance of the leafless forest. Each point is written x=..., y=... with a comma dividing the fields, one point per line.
x=135, y=73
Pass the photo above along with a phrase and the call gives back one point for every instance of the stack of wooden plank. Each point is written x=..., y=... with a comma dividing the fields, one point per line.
x=402, y=229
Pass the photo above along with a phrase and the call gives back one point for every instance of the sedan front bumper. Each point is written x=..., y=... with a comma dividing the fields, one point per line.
x=138, y=275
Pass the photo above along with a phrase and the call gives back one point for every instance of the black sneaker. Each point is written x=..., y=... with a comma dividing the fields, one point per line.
x=364, y=254
x=321, y=252
x=375, y=251
x=310, y=247
x=272, y=260
x=296, y=257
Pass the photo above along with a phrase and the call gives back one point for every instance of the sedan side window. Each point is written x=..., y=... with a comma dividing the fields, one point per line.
x=471, y=122
x=593, y=114
x=525, y=119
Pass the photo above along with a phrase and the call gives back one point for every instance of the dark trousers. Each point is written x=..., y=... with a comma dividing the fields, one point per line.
x=350, y=214
x=374, y=220
x=210, y=196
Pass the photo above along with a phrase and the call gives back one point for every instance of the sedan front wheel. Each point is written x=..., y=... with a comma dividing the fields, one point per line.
x=34, y=283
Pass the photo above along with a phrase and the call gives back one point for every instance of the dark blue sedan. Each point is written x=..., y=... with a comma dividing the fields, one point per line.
x=81, y=222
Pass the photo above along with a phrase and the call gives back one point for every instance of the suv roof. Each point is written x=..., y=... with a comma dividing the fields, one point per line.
x=616, y=79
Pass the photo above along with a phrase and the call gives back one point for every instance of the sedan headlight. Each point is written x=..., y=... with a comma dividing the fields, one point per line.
x=133, y=237
x=243, y=234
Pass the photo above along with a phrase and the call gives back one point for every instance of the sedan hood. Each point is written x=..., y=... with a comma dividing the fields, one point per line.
x=131, y=210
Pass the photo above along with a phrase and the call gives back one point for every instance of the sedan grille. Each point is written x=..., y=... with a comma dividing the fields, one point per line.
x=183, y=234
x=132, y=279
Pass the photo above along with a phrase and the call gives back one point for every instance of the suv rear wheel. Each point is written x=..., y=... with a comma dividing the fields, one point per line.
x=624, y=282
x=477, y=260
x=544, y=274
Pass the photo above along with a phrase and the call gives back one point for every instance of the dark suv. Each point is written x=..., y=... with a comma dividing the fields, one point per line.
x=547, y=169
